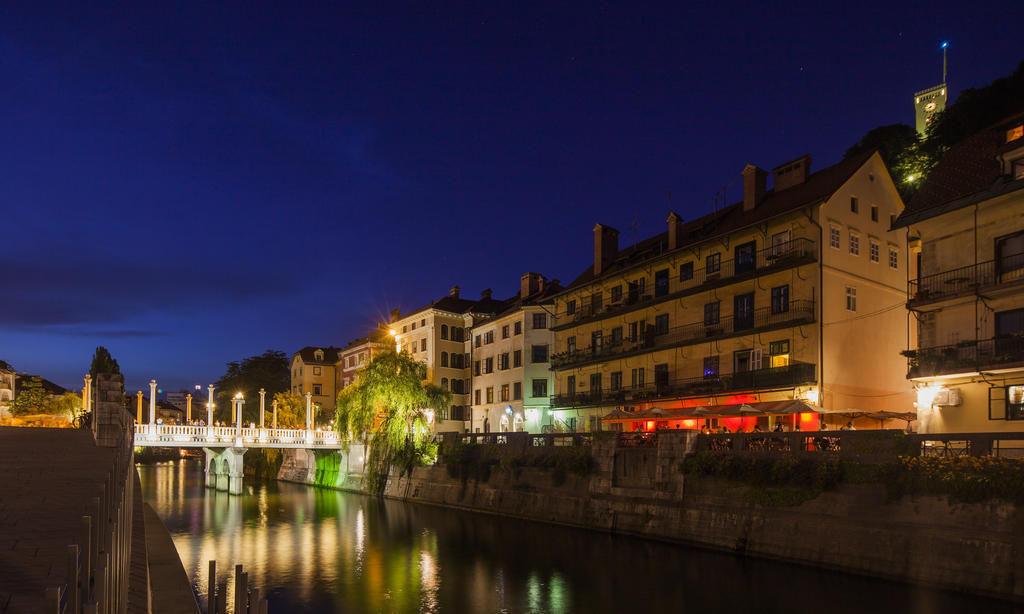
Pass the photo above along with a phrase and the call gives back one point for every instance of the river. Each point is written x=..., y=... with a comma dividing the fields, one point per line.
x=319, y=550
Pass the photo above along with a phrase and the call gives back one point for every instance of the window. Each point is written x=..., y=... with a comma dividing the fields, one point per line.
x=489, y=337
x=517, y=328
x=780, y=243
x=745, y=257
x=570, y=307
x=1015, y=402
x=616, y=380
x=476, y=396
x=413, y=327
x=423, y=345
x=596, y=302
x=477, y=341
x=444, y=331
x=661, y=324
x=712, y=312
x=476, y=368
x=851, y=298
x=596, y=341
x=316, y=371
x=503, y=361
x=423, y=323
x=318, y=389
x=517, y=358
x=661, y=282
x=779, y=352
x=444, y=383
x=517, y=391
x=854, y=244
x=540, y=388
x=746, y=360
x=540, y=321
x=892, y=219
x=834, y=237
x=636, y=289
x=743, y=311
x=490, y=394
x=686, y=271
x=405, y=329
x=617, y=335
x=1010, y=257
x=874, y=213
x=661, y=377
x=489, y=365
x=854, y=204
x=873, y=251
x=444, y=359
x=300, y=371
x=504, y=332
x=570, y=343
x=894, y=258
x=711, y=366
x=780, y=299
x=713, y=263
x=539, y=353
x=638, y=377
x=504, y=393
x=616, y=294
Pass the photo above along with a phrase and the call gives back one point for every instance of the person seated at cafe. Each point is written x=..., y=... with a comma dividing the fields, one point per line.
x=779, y=428
x=757, y=429
x=704, y=430
x=848, y=427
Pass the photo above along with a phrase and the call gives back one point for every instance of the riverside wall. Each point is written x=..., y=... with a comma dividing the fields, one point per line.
x=977, y=548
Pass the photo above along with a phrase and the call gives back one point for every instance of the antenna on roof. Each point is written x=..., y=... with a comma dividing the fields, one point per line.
x=944, y=45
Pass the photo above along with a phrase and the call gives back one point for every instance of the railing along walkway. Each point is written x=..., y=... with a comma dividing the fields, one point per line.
x=180, y=435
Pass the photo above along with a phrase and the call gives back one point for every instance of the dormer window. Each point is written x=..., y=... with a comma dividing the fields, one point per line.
x=318, y=355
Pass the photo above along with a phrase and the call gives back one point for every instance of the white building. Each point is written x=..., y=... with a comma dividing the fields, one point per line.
x=512, y=381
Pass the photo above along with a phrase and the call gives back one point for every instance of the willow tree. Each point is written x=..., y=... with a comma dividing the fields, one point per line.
x=389, y=408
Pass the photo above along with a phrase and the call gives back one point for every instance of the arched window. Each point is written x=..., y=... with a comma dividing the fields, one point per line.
x=444, y=331
x=444, y=359
x=444, y=383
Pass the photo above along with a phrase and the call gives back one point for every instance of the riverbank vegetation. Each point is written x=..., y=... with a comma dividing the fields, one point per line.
x=472, y=461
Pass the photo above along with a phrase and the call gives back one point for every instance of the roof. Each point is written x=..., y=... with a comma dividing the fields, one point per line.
x=377, y=336
x=50, y=387
x=544, y=297
x=818, y=187
x=308, y=354
x=969, y=172
x=459, y=305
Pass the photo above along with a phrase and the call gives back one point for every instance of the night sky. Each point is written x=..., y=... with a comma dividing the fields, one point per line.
x=190, y=186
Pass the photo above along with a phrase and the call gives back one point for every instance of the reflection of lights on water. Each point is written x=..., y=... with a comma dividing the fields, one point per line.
x=533, y=593
x=360, y=540
x=559, y=598
x=430, y=581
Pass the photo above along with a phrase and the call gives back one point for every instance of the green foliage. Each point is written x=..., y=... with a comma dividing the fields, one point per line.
x=31, y=398
x=263, y=463
x=268, y=370
x=103, y=362
x=388, y=406
x=291, y=410
x=963, y=479
x=773, y=481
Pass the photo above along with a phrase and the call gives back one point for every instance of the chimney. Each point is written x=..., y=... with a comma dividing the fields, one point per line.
x=791, y=173
x=606, y=245
x=754, y=186
x=485, y=295
x=530, y=283
x=675, y=229
x=454, y=292
x=395, y=314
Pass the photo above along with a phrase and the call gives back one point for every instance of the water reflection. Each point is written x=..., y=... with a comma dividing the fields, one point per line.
x=328, y=551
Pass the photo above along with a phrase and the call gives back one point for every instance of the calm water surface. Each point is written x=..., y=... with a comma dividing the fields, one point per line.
x=321, y=550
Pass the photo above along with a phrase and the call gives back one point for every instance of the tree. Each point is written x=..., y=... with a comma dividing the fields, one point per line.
x=900, y=148
x=31, y=398
x=291, y=410
x=68, y=405
x=103, y=362
x=390, y=408
x=268, y=370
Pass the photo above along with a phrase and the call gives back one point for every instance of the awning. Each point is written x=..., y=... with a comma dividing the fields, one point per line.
x=760, y=408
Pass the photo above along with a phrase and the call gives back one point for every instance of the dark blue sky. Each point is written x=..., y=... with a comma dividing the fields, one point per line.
x=189, y=186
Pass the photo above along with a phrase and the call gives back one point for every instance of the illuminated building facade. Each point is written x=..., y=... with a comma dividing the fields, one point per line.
x=313, y=370
x=966, y=225
x=511, y=359
x=795, y=292
x=358, y=353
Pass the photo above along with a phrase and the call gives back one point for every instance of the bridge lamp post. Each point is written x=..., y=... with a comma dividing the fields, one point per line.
x=152, y=409
x=238, y=400
x=263, y=411
x=274, y=423
x=309, y=417
x=209, y=415
x=138, y=417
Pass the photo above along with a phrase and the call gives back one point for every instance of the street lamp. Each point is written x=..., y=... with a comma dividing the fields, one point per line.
x=238, y=400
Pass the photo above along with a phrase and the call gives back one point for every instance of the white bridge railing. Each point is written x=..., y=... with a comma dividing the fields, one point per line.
x=178, y=435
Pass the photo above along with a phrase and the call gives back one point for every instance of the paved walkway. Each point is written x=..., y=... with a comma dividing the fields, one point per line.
x=170, y=588
x=47, y=478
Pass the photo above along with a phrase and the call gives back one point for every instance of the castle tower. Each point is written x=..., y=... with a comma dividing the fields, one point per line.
x=930, y=101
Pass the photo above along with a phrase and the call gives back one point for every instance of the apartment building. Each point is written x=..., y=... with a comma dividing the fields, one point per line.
x=510, y=353
x=356, y=354
x=313, y=370
x=793, y=293
x=438, y=335
x=966, y=227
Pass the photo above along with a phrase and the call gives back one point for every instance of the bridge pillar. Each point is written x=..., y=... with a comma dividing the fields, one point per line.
x=224, y=469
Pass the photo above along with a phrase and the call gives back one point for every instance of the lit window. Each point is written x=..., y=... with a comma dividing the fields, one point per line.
x=851, y=298
x=874, y=251
x=1015, y=133
x=833, y=237
x=779, y=352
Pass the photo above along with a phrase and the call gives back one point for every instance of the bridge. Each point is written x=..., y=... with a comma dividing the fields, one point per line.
x=224, y=446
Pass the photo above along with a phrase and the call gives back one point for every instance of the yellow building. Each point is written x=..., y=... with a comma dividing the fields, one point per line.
x=967, y=225
x=313, y=370
x=795, y=292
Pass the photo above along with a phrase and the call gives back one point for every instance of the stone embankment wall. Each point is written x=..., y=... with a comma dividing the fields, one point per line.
x=977, y=548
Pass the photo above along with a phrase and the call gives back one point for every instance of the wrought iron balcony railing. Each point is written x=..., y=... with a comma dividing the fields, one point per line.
x=781, y=256
x=966, y=280
x=795, y=312
x=966, y=356
x=794, y=374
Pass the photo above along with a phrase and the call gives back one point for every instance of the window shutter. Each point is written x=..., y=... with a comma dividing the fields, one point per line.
x=755, y=359
x=997, y=403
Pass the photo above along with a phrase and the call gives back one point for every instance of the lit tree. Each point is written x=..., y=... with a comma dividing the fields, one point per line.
x=31, y=398
x=390, y=409
x=291, y=410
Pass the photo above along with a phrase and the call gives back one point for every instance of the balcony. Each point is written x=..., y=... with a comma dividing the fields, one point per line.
x=778, y=257
x=967, y=357
x=965, y=280
x=798, y=312
x=794, y=374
